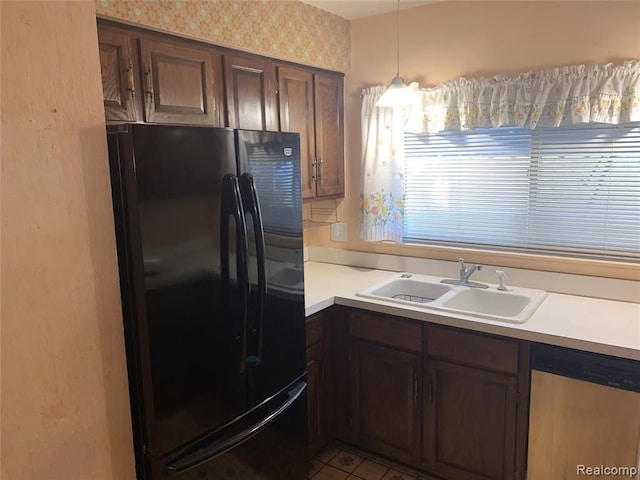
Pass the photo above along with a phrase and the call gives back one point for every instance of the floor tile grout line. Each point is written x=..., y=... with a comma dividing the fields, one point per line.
x=391, y=465
x=387, y=464
x=350, y=453
x=323, y=464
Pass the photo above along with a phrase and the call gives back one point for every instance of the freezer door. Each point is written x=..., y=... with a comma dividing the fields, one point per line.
x=267, y=443
x=184, y=347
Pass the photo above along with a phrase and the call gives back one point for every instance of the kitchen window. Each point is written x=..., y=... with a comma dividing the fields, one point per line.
x=570, y=191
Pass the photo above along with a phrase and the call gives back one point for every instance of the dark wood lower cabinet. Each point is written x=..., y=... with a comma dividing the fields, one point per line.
x=451, y=402
x=470, y=422
x=318, y=386
x=316, y=423
x=386, y=401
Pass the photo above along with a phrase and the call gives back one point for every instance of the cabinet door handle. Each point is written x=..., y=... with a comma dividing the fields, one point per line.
x=149, y=82
x=314, y=170
x=430, y=390
x=321, y=172
x=132, y=83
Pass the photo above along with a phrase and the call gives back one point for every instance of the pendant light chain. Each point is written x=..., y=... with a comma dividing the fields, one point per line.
x=398, y=39
x=398, y=92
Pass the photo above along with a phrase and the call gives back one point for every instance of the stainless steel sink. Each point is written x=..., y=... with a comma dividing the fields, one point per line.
x=514, y=305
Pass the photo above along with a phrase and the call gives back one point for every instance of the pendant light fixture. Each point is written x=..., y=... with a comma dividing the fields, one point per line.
x=398, y=93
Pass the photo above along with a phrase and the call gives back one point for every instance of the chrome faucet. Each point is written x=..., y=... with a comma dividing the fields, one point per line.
x=465, y=273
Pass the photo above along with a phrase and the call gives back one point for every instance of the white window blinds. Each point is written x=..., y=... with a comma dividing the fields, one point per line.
x=570, y=190
x=279, y=192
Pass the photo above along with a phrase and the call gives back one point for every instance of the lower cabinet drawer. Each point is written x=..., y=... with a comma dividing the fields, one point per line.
x=314, y=329
x=385, y=330
x=473, y=349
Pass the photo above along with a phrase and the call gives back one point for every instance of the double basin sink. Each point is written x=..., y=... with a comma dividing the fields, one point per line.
x=513, y=305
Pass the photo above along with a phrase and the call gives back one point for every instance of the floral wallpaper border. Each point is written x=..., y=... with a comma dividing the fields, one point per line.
x=284, y=29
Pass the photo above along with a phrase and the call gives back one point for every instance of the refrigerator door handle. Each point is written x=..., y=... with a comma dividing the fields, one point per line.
x=231, y=206
x=208, y=452
x=252, y=206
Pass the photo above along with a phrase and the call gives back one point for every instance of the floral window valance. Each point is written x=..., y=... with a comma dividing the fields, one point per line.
x=549, y=98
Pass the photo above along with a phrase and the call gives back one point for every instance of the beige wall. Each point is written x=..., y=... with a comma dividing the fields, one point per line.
x=284, y=29
x=65, y=412
x=443, y=41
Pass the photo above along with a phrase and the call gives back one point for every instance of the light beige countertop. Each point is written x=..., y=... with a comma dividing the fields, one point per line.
x=585, y=323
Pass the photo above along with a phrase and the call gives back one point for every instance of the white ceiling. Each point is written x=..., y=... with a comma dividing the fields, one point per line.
x=353, y=9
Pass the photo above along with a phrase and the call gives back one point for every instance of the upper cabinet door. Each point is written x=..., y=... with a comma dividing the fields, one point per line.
x=180, y=83
x=329, y=135
x=120, y=79
x=312, y=104
x=295, y=88
x=250, y=93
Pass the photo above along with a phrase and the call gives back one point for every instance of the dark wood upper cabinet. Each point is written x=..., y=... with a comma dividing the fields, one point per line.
x=157, y=78
x=295, y=93
x=180, y=82
x=250, y=93
x=120, y=75
x=329, y=135
x=312, y=104
x=470, y=422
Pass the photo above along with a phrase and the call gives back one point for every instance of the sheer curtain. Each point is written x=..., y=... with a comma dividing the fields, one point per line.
x=556, y=97
x=382, y=170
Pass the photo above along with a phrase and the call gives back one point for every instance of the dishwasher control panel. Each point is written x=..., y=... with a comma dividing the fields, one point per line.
x=590, y=367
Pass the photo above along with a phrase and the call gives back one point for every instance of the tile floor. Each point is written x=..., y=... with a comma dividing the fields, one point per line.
x=339, y=462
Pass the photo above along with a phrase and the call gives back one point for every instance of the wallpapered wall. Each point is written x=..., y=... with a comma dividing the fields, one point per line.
x=284, y=29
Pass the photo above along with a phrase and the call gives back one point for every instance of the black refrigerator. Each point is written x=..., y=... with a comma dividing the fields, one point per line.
x=209, y=238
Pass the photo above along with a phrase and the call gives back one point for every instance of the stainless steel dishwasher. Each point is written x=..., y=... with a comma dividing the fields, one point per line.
x=584, y=419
